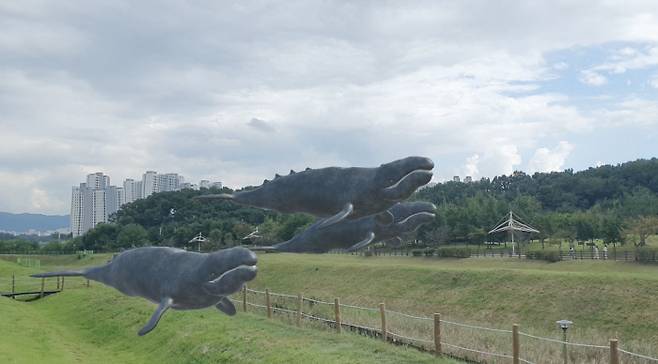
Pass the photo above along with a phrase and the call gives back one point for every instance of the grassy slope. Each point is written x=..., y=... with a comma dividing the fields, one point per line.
x=99, y=325
x=606, y=297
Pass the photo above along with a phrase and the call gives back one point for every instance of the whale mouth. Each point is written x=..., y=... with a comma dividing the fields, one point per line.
x=423, y=216
x=419, y=174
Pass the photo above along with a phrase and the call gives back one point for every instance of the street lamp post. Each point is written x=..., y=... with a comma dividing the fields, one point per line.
x=564, y=325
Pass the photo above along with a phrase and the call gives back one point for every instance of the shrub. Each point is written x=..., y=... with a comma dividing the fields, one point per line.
x=454, y=252
x=547, y=255
x=429, y=252
x=417, y=253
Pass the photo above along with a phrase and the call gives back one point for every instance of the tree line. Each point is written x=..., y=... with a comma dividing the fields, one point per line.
x=615, y=204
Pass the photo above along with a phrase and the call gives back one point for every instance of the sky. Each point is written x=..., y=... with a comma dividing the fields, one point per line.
x=239, y=91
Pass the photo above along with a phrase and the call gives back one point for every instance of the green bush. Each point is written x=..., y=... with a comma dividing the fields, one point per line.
x=547, y=255
x=429, y=252
x=454, y=252
x=417, y=253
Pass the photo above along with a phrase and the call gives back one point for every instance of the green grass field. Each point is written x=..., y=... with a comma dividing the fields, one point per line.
x=604, y=299
x=99, y=325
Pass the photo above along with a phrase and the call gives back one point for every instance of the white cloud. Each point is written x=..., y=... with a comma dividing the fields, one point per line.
x=653, y=81
x=549, y=160
x=561, y=66
x=471, y=167
x=239, y=92
x=629, y=59
x=592, y=78
x=632, y=112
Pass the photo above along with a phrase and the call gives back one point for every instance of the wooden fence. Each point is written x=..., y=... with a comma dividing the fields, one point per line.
x=434, y=334
x=30, y=289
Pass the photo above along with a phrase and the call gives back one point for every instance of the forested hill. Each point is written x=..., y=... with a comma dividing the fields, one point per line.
x=603, y=202
x=560, y=191
x=23, y=223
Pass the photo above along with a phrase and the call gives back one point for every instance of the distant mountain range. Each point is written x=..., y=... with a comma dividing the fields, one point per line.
x=22, y=223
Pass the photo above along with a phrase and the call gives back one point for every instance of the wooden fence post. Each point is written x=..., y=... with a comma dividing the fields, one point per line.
x=13, y=285
x=87, y=283
x=244, y=298
x=300, y=302
x=515, y=344
x=43, y=283
x=382, y=311
x=437, y=333
x=62, y=287
x=268, y=303
x=57, y=283
x=337, y=312
x=614, y=351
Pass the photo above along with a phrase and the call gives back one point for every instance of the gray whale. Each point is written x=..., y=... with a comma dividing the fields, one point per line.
x=174, y=278
x=336, y=193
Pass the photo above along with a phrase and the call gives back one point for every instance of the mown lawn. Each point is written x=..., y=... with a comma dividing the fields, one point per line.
x=604, y=299
x=99, y=325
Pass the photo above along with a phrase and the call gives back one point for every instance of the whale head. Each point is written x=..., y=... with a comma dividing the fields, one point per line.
x=397, y=180
x=225, y=271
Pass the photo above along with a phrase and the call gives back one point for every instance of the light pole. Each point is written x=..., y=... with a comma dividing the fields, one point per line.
x=564, y=325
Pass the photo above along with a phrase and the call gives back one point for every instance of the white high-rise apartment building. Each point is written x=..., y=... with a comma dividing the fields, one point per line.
x=132, y=190
x=92, y=202
x=115, y=197
x=168, y=182
x=77, y=203
x=95, y=200
x=149, y=183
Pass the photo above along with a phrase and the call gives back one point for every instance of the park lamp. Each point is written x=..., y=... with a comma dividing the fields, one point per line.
x=564, y=325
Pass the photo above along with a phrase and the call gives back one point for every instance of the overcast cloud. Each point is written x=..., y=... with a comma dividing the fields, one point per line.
x=238, y=91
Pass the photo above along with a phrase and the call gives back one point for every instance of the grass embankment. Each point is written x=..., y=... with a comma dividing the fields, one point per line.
x=99, y=325
x=603, y=299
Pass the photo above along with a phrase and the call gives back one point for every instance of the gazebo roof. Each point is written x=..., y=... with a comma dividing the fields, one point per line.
x=513, y=223
x=198, y=239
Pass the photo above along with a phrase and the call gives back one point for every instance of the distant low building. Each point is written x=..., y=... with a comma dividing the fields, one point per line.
x=468, y=179
x=456, y=179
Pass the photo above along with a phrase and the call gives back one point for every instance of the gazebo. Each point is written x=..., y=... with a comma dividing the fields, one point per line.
x=198, y=240
x=513, y=223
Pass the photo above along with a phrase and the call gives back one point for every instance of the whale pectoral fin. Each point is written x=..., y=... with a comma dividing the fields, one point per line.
x=153, y=322
x=362, y=243
x=384, y=218
x=342, y=214
x=225, y=305
x=230, y=281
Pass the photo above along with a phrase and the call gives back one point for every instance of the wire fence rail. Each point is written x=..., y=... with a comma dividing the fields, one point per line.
x=478, y=252
x=474, y=343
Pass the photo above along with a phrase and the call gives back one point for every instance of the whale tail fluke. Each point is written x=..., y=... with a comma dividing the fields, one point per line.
x=64, y=273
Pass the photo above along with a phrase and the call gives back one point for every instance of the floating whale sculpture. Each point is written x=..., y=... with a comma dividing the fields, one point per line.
x=359, y=233
x=336, y=193
x=174, y=278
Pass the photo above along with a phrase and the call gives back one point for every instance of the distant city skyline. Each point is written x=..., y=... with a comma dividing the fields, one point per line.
x=241, y=91
x=96, y=199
